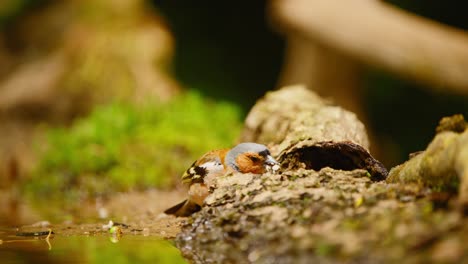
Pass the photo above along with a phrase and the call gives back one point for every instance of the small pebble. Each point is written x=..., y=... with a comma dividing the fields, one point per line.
x=109, y=225
x=275, y=167
x=41, y=224
x=103, y=213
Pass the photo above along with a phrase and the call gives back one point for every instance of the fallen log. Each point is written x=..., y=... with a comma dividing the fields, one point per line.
x=304, y=130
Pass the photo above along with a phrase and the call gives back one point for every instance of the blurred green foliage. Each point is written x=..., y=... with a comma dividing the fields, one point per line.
x=120, y=146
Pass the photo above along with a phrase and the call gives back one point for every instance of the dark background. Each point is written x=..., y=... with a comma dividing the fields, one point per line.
x=227, y=50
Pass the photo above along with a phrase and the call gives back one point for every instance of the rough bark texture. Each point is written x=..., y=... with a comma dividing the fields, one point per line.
x=303, y=214
x=295, y=112
x=330, y=216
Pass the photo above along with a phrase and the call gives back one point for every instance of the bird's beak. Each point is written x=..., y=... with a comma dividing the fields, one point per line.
x=272, y=163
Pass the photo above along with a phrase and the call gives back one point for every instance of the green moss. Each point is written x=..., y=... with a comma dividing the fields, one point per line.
x=294, y=177
x=121, y=146
x=326, y=249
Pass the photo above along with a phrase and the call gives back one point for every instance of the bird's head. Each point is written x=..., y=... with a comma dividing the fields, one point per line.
x=251, y=158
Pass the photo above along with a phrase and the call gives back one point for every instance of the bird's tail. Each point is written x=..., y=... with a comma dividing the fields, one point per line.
x=185, y=208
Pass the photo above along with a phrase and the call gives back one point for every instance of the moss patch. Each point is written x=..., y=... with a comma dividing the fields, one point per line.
x=121, y=146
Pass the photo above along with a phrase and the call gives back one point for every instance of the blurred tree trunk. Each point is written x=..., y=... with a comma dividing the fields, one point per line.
x=379, y=35
x=328, y=72
x=329, y=40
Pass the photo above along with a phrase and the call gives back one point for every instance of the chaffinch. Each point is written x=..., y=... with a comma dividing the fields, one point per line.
x=244, y=158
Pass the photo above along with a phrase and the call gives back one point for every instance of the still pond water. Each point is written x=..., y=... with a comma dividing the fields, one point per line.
x=25, y=247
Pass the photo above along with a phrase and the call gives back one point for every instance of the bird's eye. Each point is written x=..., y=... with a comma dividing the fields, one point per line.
x=254, y=159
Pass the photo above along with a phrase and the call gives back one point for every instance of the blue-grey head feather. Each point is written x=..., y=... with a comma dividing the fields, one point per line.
x=243, y=148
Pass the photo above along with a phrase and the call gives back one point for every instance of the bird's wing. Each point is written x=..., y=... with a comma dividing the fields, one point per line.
x=210, y=163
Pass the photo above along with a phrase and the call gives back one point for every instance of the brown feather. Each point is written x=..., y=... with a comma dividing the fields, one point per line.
x=196, y=173
x=198, y=177
x=185, y=208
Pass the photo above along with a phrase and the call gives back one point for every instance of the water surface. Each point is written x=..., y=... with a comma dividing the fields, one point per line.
x=22, y=246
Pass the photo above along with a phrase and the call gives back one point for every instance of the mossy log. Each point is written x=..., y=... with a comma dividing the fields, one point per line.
x=443, y=166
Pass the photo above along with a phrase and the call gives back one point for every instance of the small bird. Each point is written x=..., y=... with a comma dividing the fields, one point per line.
x=244, y=158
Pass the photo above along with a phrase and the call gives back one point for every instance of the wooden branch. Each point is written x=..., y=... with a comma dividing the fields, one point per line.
x=380, y=35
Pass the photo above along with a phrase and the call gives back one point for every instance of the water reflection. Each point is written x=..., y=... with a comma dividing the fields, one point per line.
x=58, y=248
